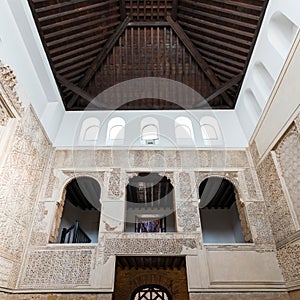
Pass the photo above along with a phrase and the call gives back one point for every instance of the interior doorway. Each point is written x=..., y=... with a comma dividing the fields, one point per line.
x=150, y=277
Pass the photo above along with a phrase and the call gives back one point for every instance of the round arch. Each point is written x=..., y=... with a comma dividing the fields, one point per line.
x=230, y=221
x=236, y=185
x=154, y=291
x=91, y=200
x=65, y=183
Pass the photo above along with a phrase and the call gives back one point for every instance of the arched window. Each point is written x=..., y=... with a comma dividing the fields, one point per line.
x=149, y=131
x=150, y=204
x=79, y=220
x=151, y=291
x=210, y=130
x=263, y=79
x=115, y=131
x=89, y=130
x=184, y=130
x=281, y=33
x=219, y=213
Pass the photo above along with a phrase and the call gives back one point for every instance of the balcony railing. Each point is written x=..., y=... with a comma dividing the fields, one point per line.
x=74, y=234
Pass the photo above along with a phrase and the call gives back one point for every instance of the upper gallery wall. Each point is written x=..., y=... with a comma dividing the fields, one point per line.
x=182, y=53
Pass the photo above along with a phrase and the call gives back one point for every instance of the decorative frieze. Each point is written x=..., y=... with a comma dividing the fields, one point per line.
x=148, y=244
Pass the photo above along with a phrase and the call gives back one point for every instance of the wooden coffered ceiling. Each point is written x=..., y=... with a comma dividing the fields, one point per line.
x=93, y=46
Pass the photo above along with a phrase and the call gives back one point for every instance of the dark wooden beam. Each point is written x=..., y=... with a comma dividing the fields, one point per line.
x=198, y=57
x=100, y=58
x=74, y=88
x=122, y=9
x=174, y=9
x=148, y=24
x=220, y=90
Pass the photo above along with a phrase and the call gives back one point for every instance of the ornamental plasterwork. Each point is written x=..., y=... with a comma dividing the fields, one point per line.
x=261, y=229
x=230, y=176
x=144, y=244
x=185, y=185
x=188, y=216
x=48, y=268
x=289, y=260
x=114, y=184
x=20, y=179
x=277, y=207
x=10, y=105
x=297, y=123
x=99, y=176
x=288, y=157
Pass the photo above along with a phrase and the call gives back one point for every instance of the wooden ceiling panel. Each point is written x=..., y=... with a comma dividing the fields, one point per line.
x=93, y=45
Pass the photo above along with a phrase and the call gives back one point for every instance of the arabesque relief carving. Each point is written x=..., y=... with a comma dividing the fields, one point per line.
x=10, y=104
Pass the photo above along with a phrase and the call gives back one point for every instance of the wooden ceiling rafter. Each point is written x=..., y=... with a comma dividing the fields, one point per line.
x=122, y=9
x=214, y=9
x=222, y=34
x=63, y=14
x=198, y=57
x=100, y=58
x=219, y=91
x=77, y=90
x=75, y=28
x=174, y=10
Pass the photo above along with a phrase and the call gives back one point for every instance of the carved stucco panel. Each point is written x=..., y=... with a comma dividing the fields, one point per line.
x=222, y=159
x=136, y=158
x=114, y=184
x=20, y=179
x=277, y=207
x=103, y=158
x=189, y=159
x=252, y=189
x=10, y=104
x=233, y=177
x=42, y=222
x=70, y=175
x=188, y=216
x=143, y=245
x=6, y=266
x=4, y=115
x=289, y=260
x=52, y=184
x=185, y=185
x=53, y=268
x=260, y=225
x=254, y=153
x=172, y=158
x=297, y=123
x=288, y=156
x=155, y=159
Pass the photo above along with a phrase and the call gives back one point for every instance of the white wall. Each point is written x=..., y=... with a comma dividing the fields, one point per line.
x=276, y=37
x=221, y=225
x=21, y=48
x=232, y=134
